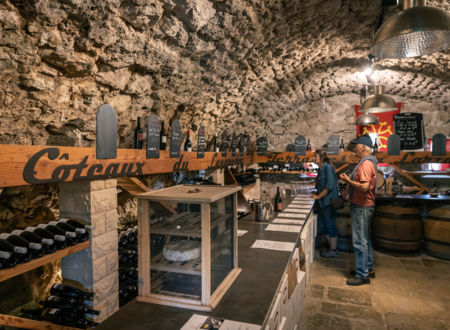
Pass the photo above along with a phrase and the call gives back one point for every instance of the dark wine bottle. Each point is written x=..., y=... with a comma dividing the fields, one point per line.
x=162, y=137
x=375, y=145
x=59, y=240
x=278, y=201
x=7, y=256
x=308, y=146
x=129, y=271
x=81, y=323
x=342, y=146
x=132, y=235
x=68, y=303
x=35, y=248
x=216, y=142
x=71, y=237
x=187, y=143
x=80, y=233
x=64, y=290
x=22, y=253
x=48, y=245
x=138, y=135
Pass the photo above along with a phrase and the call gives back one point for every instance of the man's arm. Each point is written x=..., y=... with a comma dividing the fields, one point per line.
x=361, y=186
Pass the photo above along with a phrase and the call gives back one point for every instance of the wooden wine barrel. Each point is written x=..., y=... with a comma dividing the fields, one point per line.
x=437, y=232
x=344, y=229
x=397, y=228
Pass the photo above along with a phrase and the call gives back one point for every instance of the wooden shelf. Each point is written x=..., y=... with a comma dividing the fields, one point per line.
x=427, y=172
x=34, y=263
x=23, y=323
x=192, y=267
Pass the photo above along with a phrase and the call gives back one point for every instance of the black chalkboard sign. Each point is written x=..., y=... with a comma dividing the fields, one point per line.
x=261, y=146
x=247, y=145
x=106, y=144
x=241, y=145
x=300, y=145
x=333, y=145
x=439, y=147
x=153, y=130
x=409, y=126
x=393, y=146
x=175, y=139
x=224, y=145
x=234, y=144
x=201, y=142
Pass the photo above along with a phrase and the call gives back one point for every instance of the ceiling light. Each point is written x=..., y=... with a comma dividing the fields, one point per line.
x=367, y=119
x=378, y=102
x=418, y=30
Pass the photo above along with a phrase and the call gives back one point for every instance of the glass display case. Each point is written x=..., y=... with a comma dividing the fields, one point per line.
x=187, y=245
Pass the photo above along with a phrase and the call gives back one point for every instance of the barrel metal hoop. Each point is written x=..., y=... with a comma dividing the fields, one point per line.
x=397, y=240
x=437, y=242
x=437, y=218
x=398, y=216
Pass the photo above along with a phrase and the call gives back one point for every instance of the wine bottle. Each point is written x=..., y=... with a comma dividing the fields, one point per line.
x=132, y=234
x=7, y=256
x=162, y=137
x=59, y=240
x=216, y=142
x=342, y=146
x=278, y=201
x=64, y=290
x=22, y=253
x=187, y=143
x=71, y=237
x=81, y=323
x=75, y=224
x=138, y=135
x=123, y=238
x=68, y=303
x=375, y=145
x=308, y=146
x=80, y=233
x=35, y=248
x=46, y=243
x=129, y=271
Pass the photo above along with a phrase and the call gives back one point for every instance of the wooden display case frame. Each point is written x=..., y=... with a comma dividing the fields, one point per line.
x=206, y=196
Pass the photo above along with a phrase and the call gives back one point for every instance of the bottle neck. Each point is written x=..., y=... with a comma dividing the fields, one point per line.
x=138, y=122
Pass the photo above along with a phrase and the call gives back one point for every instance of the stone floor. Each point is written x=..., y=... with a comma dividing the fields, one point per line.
x=407, y=293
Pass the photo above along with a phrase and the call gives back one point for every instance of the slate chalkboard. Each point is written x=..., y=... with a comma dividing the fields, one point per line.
x=300, y=145
x=393, y=146
x=234, y=144
x=247, y=143
x=333, y=145
x=224, y=145
x=439, y=145
x=261, y=146
x=409, y=126
x=241, y=145
x=153, y=130
x=201, y=142
x=175, y=139
x=106, y=144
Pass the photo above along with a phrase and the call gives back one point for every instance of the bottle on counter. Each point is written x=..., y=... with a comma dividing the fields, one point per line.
x=187, y=143
x=342, y=146
x=308, y=146
x=138, y=135
x=162, y=137
x=375, y=145
x=278, y=201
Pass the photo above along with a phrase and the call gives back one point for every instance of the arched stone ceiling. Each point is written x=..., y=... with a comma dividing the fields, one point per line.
x=224, y=63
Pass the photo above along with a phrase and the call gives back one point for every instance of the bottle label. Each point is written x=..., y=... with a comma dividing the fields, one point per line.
x=20, y=250
x=216, y=149
x=163, y=139
x=279, y=206
x=140, y=136
x=189, y=149
x=5, y=255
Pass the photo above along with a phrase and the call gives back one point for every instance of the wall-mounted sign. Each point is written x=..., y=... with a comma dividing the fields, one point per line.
x=248, y=145
x=106, y=142
x=201, y=142
x=241, y=144
x=261, y=146
x=409, y=126
x=224, y=145
x=394, y=144
x=175, y=139
x=300, y=145
x=234, y=145
x=333, y=145
x=153, y=138
x=439, y=145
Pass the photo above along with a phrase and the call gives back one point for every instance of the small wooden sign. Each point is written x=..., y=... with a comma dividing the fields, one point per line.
x=394, y=143
x=333, y=145
x=439, y=147
x=175, y=139
x=234, y=145
x=201, y=142
x=224, y=145
x=300, y=145
x=261, y=146
x=241, y=145
x=153, y=138
x=106, y=144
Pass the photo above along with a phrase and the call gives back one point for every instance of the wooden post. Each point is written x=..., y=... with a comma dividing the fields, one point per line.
x=144, y=248
x=206, y=253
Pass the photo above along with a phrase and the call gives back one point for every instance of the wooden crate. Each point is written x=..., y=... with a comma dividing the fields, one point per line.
x=197, y=225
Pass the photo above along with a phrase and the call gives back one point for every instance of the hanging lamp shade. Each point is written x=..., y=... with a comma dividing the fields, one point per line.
x=367, y=119
x=417, y=30
x=378, y=102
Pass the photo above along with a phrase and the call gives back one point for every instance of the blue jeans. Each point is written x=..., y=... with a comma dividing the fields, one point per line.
x=361, y=228
x=327, y=220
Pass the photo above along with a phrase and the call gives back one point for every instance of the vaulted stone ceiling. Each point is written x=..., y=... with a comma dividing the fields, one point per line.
x=283, y=67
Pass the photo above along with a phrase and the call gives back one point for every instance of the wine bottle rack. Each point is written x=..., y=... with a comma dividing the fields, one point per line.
x=34, y=263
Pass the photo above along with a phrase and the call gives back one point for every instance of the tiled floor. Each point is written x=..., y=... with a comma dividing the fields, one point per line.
x=407, y=293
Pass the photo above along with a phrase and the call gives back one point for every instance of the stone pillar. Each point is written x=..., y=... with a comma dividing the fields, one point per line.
x=95, y=268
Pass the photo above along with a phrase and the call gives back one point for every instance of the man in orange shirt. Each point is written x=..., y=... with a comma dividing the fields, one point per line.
x=361, y=195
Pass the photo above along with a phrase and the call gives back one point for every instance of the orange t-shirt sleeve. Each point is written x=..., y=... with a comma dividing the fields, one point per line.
x=366, y=171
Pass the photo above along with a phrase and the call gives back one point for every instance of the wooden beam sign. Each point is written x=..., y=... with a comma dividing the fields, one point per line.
x=23, y=165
